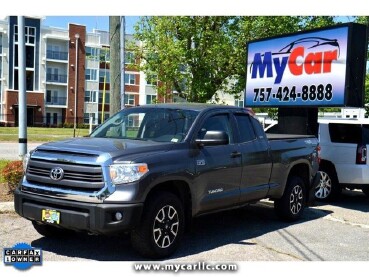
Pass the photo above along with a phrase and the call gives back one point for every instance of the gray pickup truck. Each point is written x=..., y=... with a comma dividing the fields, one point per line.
x=149, y=170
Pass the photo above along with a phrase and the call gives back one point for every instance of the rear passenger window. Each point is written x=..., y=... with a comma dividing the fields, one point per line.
x=345, y=133
x=258, y=128
x=245, y=128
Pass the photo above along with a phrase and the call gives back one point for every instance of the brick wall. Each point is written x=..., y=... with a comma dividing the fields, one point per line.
x=70, y=113
x=35, y=100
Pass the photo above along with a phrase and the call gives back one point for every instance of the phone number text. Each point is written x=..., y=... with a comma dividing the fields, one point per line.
x=287, y=94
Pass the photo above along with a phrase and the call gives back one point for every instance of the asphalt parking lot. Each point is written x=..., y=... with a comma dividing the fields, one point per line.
x=327, y=232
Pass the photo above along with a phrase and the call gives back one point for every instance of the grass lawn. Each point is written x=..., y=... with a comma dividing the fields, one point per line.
x=2, y=165
x=35, y=134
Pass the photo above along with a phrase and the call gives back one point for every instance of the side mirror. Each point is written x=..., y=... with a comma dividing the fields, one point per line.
x=213, y=138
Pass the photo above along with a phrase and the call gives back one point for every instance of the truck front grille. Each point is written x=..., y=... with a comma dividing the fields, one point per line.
x=75, y=176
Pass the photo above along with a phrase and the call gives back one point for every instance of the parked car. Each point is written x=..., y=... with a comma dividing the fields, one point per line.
x=149, y=170
x=344, y=162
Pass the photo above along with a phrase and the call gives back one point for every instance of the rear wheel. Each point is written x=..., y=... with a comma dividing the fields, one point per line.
x=328, y=188
x=50, y=231
x=292, y=204
x=161, y=228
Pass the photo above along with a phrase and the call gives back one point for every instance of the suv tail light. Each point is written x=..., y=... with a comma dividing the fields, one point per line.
x=361, y=154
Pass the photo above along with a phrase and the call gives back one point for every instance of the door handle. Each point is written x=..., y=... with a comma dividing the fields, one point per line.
x=235, y=154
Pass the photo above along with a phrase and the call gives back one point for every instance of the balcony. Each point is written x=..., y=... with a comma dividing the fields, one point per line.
x=57, y=55
x=56, y=101
x=56, y=78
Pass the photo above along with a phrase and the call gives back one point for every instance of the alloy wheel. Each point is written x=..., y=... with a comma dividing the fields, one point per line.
x=324, y=188
x=166, y=226
x=296, y=199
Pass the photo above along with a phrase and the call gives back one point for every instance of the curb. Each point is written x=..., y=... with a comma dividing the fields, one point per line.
x=7, y=207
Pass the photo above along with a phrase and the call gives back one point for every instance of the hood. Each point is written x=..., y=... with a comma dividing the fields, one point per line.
x=99, y=146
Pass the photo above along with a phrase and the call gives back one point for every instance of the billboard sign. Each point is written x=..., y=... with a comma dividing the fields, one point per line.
x=302, y=69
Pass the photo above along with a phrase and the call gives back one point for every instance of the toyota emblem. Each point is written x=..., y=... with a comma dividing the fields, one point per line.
x=56, y=173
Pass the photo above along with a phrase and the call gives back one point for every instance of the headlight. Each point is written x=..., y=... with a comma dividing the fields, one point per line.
x=127, y=173
x=25, y=161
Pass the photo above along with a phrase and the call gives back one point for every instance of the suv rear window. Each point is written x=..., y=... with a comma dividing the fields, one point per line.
x=349, y=133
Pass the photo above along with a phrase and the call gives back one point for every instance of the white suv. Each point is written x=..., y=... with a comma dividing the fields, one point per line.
x=344, y=162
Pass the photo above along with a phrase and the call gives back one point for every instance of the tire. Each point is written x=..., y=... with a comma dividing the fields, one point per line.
x=328, y=188
x=162, y=227
x=50, y=231
x=292, y=204
x=365, y=191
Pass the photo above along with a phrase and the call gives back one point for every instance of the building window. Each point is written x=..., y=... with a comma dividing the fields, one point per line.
x=29, y=80
x=54, y=98
x=48, y=115
x=102, y=75
x=152, y=80
x=29, y=34
x=129, y=57
x=91, y=96
x=30, y=56
x=92, y=53
x=105, y=55
x=91, y=74
x=55, y=118
x=86, y=118
x=129, y=99
x=53, y=52
x=150, y=99
x=129, y=79
x=238, y=103
x=106, y=116
x=30, y=38
x=107, y=97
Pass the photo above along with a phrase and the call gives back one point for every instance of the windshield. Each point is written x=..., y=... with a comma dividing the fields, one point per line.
x=156, y=124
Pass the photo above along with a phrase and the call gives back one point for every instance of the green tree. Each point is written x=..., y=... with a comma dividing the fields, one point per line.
x=200, y=55
x=191, y=54
x=365, y=20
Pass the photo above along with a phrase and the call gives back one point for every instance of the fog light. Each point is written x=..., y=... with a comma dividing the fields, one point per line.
x=118, y=216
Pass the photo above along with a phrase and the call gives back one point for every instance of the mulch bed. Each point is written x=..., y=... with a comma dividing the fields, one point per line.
x=5, y=195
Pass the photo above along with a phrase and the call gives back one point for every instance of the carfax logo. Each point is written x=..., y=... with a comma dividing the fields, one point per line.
x=22, y=256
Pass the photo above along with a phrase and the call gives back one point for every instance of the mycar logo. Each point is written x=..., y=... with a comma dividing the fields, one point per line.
x=301, y=56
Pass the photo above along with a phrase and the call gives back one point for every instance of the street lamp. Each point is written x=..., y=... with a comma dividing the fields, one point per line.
x=75, y=87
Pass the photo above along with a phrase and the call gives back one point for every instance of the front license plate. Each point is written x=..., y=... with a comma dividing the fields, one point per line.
x=50, y=216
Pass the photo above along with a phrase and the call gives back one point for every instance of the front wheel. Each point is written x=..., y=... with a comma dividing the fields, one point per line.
x=292, y=204
x=162, y=226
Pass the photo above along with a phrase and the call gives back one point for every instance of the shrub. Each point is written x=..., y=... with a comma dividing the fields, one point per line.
x=12, y=174
x=68, y=125
x=83, y=126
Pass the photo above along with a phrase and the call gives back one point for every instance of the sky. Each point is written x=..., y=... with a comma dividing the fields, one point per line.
x=102, y=22
x=91, y=22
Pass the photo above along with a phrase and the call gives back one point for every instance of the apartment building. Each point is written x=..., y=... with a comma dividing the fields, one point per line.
x=67, y=74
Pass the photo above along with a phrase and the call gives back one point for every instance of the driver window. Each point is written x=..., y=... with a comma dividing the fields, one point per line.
x=218, y=122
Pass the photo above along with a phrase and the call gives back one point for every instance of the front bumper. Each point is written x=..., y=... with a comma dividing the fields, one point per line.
x=89, y=217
